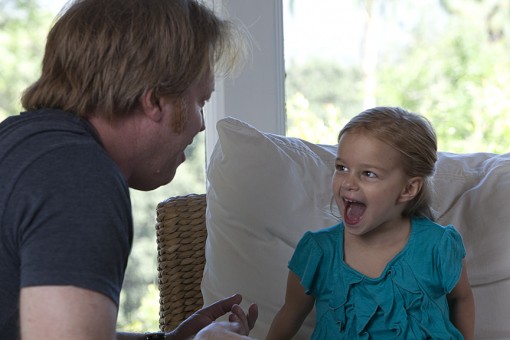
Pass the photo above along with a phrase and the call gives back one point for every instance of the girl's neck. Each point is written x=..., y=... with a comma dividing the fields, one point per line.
x=383, y=236
x=369, y=255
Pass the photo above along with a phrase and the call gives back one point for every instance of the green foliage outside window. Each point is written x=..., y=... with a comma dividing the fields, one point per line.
x=455, y=71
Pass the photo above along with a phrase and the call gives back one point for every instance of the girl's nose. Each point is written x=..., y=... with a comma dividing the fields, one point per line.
x=350, y=183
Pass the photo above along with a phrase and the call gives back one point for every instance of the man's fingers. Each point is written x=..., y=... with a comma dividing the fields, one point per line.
x=253, y=314
x=222, y=331
x=247, y=320
x=220, y=307
x=238, y=316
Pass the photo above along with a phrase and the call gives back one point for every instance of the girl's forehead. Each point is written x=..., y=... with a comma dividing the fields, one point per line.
x=365, y=145
x=355, y=136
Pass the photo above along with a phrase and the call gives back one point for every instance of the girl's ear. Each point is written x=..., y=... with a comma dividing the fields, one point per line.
x=412, y=188
x=151, y=106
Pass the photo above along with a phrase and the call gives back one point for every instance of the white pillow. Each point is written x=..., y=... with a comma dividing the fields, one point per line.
x=264, y=191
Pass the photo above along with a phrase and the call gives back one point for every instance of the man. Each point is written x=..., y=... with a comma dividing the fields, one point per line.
x=120, y=97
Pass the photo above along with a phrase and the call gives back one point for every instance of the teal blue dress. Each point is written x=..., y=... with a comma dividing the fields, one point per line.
x=408, y=301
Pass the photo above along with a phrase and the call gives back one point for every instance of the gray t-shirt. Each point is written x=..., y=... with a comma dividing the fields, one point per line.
x=65, y=211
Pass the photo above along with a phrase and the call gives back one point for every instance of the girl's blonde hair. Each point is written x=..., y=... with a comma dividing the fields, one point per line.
x=102, y=55
x=413, y=137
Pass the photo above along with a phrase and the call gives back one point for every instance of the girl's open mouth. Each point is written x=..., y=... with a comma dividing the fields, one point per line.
x=353, y=212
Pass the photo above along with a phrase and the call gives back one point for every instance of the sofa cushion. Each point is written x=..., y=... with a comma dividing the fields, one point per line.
x=264, y=191
x=473, y=193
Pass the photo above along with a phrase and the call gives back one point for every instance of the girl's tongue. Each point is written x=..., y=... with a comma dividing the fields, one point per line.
x=353, y=212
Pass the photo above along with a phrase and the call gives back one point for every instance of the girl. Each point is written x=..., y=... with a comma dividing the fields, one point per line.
x=387, y=271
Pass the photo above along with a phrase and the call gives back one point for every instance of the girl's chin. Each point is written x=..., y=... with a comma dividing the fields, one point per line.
x=353, y=228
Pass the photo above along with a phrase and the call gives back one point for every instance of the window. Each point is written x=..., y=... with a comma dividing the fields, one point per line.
x=444, y=59
x=447, y=60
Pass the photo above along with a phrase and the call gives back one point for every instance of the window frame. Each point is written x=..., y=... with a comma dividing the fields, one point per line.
x=257, y=94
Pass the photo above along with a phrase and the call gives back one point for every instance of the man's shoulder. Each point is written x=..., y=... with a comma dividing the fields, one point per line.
x=43, y=128
x=44, y=152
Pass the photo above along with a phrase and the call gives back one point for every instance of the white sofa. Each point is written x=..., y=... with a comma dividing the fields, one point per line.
x=264, y=191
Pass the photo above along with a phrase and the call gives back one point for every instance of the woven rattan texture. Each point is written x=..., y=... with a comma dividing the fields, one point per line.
x=181, y=235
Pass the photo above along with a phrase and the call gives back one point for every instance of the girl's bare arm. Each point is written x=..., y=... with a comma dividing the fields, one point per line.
x=462, y=305
x=297, y=306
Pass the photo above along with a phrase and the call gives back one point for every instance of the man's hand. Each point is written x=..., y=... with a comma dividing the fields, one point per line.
x=221, y=331
x=245, y=321
x=240, y=322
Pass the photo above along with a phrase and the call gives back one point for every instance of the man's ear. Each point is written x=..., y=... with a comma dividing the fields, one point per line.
x=151, y=106
x=412, y=188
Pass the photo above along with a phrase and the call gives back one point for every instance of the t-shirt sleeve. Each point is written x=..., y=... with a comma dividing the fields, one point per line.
x=305, y=261
x=77, y=228
x=451, y=251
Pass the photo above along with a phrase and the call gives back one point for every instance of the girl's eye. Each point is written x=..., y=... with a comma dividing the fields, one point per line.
x=340, y=167
x=370, y=174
